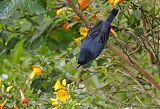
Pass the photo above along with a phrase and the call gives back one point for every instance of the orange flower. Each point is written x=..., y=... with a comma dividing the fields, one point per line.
x=23, y=98
x=3, y=104
x=65, y=26
x=35, y=71
x=83, y=4
x=114, y=2
x=75, y=17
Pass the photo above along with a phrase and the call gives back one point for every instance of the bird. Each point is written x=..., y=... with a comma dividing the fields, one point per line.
x=96, y=39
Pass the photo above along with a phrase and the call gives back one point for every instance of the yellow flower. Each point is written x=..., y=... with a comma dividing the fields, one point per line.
x=54, y=102
x=9, y=88
x=15, y=106
x=114, y=2
x=61, y=90
x=78, y=40
x=112, y=31
x=59, y=12
x=62, y=95
x=58, y=86
x=83, y=31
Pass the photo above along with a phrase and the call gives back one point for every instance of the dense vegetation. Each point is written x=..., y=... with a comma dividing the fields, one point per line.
x=39, y=46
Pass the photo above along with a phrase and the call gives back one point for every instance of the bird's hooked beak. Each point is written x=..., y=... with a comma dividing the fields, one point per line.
x=78, y=66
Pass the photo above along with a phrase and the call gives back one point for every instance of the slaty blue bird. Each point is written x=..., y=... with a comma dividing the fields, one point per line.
x=96, y=39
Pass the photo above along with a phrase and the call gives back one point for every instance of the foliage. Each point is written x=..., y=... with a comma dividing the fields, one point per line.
x=33, y=33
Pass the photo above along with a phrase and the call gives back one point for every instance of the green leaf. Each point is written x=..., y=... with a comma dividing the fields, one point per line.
x=7, y=8
x=152, y=11
x=103, y=69
x=11, y=43
x=137, y=14
x=17, y=52
x=96, y=81
x=58, y=36
x=139, y=31
x=120, y=15
x=41, y=29
x=42, y=3
x=58, y=21
x=1, y=46
x=36, y=8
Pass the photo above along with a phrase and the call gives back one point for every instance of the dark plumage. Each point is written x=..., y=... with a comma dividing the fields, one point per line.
x=96, y=39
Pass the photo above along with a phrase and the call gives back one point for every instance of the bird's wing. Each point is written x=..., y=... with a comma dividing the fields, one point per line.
x=92, y=34
x=94, y=31
x=103, y=37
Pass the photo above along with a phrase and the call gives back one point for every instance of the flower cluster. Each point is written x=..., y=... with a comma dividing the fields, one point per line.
x=61, y=93
x=65, y=11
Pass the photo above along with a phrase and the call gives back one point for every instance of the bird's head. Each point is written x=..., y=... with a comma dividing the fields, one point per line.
x=84, y=57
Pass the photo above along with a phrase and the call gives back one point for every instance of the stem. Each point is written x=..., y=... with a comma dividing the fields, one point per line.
x=79, y=13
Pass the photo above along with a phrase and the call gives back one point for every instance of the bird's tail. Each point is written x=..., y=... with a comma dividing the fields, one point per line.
x=110, y=18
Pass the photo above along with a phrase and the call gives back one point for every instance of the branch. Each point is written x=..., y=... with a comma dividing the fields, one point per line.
x=78, y=12
x=134, y=65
